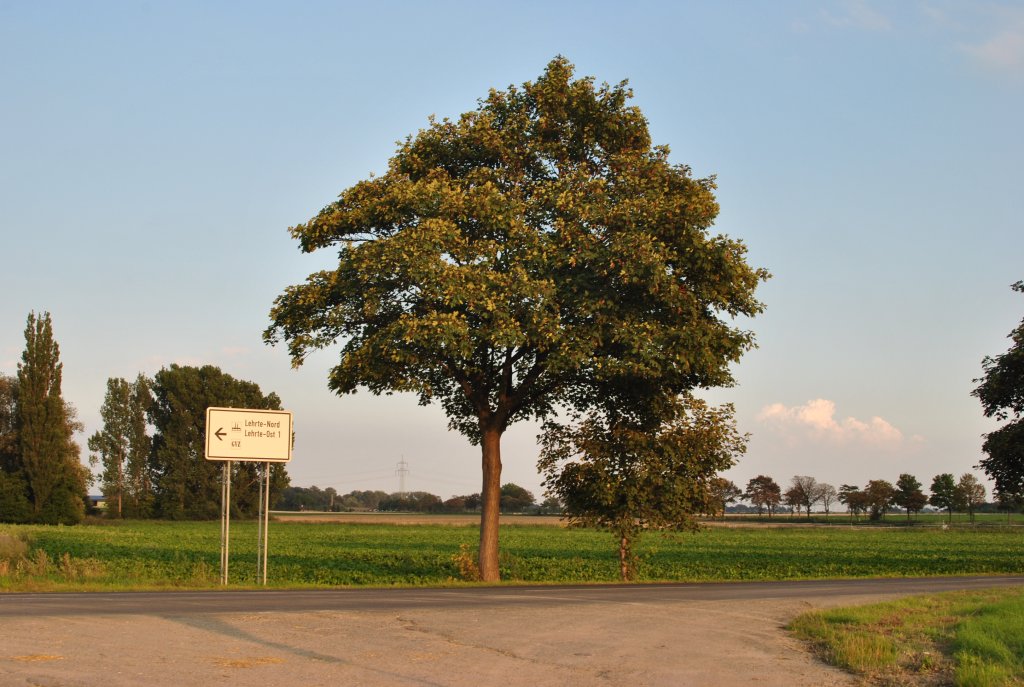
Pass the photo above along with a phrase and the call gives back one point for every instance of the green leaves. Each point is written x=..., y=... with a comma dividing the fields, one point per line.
x=47, y=453
x=628, y=476
x=536, y=253
x=541, y=228
x=1001, y=392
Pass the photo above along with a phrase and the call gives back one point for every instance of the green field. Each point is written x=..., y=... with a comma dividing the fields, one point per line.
x=154, y=554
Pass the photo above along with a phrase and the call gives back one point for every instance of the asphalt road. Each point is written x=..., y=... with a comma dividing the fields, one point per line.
x=291, y=601
x=665, y=635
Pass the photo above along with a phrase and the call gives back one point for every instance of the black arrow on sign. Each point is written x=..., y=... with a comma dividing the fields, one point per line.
x=220, y=433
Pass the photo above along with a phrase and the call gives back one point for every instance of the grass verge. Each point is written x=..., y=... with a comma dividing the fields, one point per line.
x=968, y=639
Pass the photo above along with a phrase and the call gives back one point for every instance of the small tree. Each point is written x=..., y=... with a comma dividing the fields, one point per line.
x=803, y=493
x=723, y=492
x=944, y=493
x=909, y=495
x=515, y=499
x=970, y=493
x=764, y=493
x=826, y=495
x=879, y=495
x=551, y=505
x=794, y=498
x=617, y=476
x=846, y=492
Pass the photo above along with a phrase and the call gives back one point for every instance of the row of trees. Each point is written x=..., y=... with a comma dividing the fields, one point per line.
x=875, y=499
x=514, y=499
x=165, y=474
x=161, y=474
x=41, y=477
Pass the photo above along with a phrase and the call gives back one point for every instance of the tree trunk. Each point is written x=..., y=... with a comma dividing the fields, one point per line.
x=490, y=505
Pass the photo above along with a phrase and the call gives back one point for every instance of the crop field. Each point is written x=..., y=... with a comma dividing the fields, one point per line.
x=154, y=554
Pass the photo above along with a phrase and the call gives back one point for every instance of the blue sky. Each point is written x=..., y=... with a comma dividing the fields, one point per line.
x=153, y=155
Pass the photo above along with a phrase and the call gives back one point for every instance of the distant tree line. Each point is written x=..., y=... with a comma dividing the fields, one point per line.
x=150, y=451
x=514, y=499
x=165, y=474
x=874, y=500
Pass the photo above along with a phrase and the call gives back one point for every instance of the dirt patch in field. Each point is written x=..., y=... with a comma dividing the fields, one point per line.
x=468, y=519
x=459, y=520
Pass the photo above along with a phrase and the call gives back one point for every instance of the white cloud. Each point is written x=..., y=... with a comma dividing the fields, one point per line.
x=816, y=421
x=1002, y=51
x=989, y=34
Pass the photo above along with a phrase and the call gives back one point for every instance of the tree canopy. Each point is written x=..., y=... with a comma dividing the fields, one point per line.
x=123, y=448
x=1001, y=392
x=909, y=495
x=185, y=484
x=944, y=492
x=764, y=492
x=518, y=260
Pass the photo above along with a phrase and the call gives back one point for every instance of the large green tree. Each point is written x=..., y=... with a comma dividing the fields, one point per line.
x=1001, y=392
x=48, y=454
x=188, y=486
x=123, y=446
x=515, y=260
x=616, y=474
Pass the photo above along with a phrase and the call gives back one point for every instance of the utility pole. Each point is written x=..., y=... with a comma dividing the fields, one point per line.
x=402, y=471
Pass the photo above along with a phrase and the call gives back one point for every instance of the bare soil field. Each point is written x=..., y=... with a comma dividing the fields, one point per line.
x=458, y=520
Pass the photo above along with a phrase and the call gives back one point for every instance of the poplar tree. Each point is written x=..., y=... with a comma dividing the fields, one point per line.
x=122, y=448
x=49, y=456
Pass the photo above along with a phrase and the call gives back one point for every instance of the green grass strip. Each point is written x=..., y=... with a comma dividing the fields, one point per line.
x=968, y=639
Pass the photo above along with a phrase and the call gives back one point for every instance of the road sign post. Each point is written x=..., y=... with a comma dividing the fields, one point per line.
x=247, y=434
